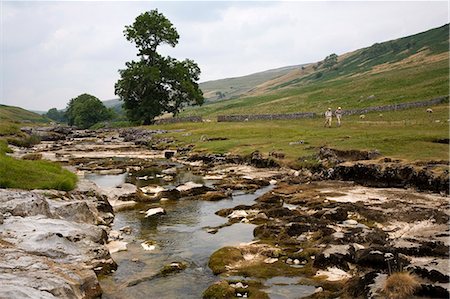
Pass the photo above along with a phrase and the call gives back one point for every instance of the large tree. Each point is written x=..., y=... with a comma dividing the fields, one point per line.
x=156, y=84
x=85, y=111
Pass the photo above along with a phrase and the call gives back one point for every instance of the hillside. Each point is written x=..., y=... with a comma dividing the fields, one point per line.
x=408, y=69
x=234, y=87
x=19, y=115
x=112, y=103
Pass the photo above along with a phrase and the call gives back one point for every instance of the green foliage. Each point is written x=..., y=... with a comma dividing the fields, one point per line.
x=150, y=30
x=56, y=115
x=330, y=61
x=85, y=111
x=23, y=174
x=156, y=84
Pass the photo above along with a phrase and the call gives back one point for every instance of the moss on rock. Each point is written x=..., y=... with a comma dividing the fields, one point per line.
x=223, y=257
x=220, y=289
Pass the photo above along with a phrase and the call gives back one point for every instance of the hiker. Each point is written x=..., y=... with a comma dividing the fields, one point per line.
x=328, y=117
x=338, y=114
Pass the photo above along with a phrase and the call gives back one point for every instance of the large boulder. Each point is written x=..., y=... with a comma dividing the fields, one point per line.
x=50, y=245
x=23, y=203
x=25, y=275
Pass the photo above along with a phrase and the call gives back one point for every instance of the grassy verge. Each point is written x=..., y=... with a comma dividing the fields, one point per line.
x=24, y=174
x=408, y=134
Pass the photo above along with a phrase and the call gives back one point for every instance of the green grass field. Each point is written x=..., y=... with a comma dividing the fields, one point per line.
x=408, y=134
x=24, y=174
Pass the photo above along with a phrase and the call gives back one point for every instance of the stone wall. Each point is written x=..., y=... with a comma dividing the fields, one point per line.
x=393, y=107
x=189, y=119
x=400, y=106
x=249, y=117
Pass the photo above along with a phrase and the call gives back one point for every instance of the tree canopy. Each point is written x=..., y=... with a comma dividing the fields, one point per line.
x=56, y=115
x=156, y=84
x=330, y=61
x=85, y=111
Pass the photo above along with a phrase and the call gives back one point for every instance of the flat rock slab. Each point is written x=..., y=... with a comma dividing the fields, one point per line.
x=61, y=240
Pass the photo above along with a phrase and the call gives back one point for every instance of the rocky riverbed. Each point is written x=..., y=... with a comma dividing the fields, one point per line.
x=303, y=234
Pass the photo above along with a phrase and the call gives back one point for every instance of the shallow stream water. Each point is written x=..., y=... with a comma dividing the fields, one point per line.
x=180, y=236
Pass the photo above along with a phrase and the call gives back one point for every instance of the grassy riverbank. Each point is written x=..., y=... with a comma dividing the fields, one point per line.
x=25, y=174
x=409, y=134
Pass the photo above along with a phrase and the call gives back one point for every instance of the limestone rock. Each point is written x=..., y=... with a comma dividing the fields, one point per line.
x=155, y=212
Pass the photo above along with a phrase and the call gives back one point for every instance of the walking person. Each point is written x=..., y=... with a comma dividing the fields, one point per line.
x=328, y=117
x=338, y=114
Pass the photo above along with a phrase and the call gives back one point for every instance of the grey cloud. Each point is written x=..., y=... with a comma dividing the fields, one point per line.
x=54, y=51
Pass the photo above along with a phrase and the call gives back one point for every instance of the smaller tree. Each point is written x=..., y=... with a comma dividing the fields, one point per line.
x=330, y=61
x=56, y=115
x=85, y=111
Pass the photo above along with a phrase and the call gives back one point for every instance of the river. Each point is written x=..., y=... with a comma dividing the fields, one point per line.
x=180, y=236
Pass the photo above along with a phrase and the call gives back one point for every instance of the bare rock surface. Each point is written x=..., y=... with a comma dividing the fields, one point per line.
x=51, y=245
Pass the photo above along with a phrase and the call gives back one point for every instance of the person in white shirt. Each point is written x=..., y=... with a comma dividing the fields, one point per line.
x=328, y=117
x=338, y=114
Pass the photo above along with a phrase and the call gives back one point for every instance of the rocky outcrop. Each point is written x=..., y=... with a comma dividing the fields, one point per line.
x=51, y=246
x=139, y=136
x=256, y=159
x=335, y=156
x=48, y=133
x=24, y=275
x=391, y=175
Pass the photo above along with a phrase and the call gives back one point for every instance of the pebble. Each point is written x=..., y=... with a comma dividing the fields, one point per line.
x=318, y=290
x=126, y=229
x=270, y=260
x=239, y=285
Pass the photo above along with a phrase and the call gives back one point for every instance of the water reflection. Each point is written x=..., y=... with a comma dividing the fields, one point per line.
x=107, y=180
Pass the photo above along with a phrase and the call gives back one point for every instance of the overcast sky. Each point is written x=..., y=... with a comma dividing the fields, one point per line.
x=54, y=51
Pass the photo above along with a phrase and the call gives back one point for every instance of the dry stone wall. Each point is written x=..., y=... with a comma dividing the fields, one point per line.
x=249, y=117
x=189, y=119
x=393, y=107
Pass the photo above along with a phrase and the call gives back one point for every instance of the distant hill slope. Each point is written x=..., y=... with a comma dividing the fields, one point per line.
x=407, y=69
x=112, y=103
x=234, y=87
x=16, y=114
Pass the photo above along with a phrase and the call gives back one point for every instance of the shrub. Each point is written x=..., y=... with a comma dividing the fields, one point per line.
x=400, y=285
